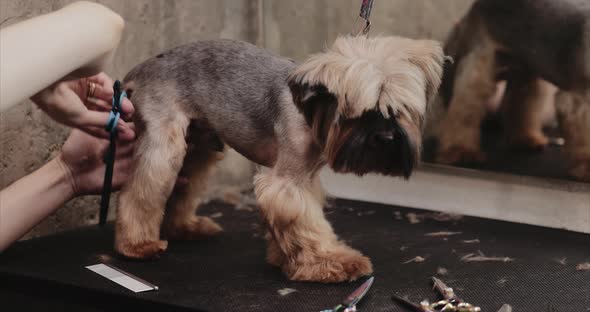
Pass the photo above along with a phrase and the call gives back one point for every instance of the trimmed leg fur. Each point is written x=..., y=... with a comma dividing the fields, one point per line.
x=181, y=222
x=460, y=129
x=528, y=105
x=300, y=239
x=573, y=111
x=158, y=158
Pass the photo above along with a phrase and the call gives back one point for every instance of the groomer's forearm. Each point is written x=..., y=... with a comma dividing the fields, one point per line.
x=73, y=42
x=29, y=200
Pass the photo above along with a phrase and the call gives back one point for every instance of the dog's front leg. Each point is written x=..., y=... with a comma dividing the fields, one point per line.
x=528, y=105
x=301, y=241
x=573, y=111
x=460, y=129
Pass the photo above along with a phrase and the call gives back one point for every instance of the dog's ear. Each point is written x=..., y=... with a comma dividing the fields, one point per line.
x=318, y=107
x=429, y=57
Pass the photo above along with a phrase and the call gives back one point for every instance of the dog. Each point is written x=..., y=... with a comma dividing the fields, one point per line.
x=358, y=107
x=541, y=50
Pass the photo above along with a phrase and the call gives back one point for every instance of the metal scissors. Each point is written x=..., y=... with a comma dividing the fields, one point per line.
x=450, y=301
x=349, y=304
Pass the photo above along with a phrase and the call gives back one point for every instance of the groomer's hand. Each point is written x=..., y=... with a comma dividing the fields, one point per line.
x=85, y=104
x=82, y=159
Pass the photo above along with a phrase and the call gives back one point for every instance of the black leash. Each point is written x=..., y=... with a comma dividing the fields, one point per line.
x=109, y=158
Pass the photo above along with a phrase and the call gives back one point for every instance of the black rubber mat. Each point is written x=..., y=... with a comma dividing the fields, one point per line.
x=228, y=273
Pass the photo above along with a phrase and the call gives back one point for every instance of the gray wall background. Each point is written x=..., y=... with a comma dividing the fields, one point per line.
x=293, y=28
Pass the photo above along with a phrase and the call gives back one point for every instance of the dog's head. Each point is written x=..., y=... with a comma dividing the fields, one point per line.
x=365, y=101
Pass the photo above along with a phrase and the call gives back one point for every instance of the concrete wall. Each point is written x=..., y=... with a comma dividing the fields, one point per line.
x=28, y=138
x=297, y=28
x=293, y=28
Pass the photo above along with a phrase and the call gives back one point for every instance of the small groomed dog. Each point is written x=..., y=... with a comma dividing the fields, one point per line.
x=526, y=43
x=357, y=107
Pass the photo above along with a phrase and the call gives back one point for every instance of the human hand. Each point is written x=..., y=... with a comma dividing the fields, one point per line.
x=82, y=159
x=70, y=103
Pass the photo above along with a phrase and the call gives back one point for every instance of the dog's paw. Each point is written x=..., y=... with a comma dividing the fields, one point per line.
x=274, y=255
x=193, y=229
x=340, y=265
x=580, y=170
x=142, y=251
x=460, y=154
x=530, y=142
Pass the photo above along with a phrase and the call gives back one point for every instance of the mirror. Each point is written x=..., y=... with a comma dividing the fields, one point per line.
x=517, y=97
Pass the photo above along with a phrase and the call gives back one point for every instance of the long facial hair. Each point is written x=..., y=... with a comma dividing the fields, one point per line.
x=365, y=99
x=368, y=143
x=371, y=143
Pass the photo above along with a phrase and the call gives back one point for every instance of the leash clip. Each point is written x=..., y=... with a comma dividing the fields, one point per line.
x=364, y=18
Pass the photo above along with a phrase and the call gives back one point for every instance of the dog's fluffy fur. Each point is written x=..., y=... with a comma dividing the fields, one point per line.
x=358, y=107
x=535, y=46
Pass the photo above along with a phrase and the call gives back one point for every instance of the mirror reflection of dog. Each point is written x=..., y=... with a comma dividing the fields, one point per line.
x=358, y=107
x=533, y=45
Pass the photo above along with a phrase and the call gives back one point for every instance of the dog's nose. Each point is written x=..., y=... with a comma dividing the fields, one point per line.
x=383, y=137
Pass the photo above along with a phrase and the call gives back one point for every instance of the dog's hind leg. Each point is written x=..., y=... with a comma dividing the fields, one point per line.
x=300, y=239
x=573, y=111
x=529, y=103
x=181, y=222
x=475, y=84
x=158, y=157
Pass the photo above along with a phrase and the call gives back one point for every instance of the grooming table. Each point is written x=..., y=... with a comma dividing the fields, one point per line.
x=229, y=273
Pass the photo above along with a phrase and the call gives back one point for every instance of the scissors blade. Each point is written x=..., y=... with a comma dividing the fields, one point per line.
x=410, y=305
x=359, y=293
x=444, y=291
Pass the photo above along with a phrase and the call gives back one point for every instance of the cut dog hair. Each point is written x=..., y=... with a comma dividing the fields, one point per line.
x=357, y=107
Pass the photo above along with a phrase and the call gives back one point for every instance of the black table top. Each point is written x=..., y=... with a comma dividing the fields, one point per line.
x=229, y=273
